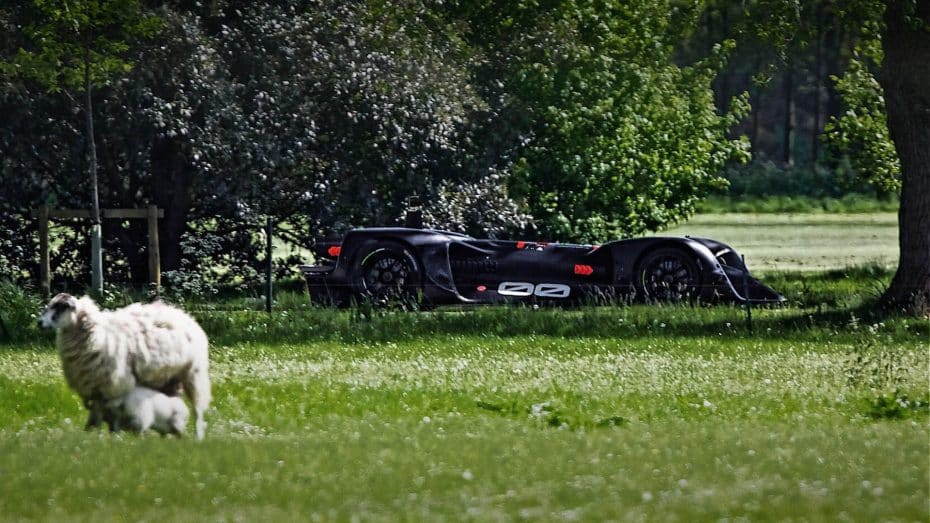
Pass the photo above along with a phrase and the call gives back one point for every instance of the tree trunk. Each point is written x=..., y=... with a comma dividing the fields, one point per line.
x=96, y=256
x=818, y=85
x=91, y=145
x=723, y=78
x=755, y=102
x=905, y=79
x=788, y=145
x=836, y=63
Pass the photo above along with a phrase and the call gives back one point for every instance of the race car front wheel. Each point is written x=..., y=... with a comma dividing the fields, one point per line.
x=387, y=273
x=667, y=275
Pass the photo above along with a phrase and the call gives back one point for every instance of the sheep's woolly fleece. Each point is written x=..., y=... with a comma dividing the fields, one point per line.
x=106, y=354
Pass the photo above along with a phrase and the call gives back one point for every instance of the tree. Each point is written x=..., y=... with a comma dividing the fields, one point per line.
x=895, y=34
x=76, y=44
x=327, y=115
x=615, y=138
x=905, y=77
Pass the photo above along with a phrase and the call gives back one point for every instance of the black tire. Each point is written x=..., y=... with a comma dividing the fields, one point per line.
x=387, y=273
x=667, y=275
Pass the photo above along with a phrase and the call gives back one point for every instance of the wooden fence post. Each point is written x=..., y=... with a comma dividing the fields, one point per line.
x=45, y=272
x=154, y=256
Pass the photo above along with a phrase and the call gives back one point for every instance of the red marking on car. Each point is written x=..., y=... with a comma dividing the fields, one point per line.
x=334, y=250
x=584, y=270
x=482, y=288
x=521, y=244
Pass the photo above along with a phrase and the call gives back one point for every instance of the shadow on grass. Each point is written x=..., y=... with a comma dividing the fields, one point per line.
x=828, y=304
x=227, y=328
x=230, y=328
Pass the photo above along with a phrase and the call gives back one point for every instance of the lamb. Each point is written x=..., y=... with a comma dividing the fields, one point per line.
x=107, y=354
x=144, y=408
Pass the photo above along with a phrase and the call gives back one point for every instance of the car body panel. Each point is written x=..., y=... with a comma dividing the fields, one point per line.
x=455, y=268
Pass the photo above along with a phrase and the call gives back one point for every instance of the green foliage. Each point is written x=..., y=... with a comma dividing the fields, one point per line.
x=862, y=132
x=898, y=406
x=327, y=116
x=881, y=372
x=764, y=178
x=849, y=204
x=763, y=187
x=623, y=141
x=18, y=313
x=79, y=41
x=579, y=118
x=482, y=208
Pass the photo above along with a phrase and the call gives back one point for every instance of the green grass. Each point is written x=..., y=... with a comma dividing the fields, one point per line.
x=595, y=413
x=659, y=413
x=802, y=242
x=847, y=204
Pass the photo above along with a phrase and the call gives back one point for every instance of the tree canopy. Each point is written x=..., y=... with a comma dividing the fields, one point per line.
x=619, y=139
x=558, y=119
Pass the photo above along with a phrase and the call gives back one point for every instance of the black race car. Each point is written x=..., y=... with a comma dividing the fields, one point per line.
x=432, y=267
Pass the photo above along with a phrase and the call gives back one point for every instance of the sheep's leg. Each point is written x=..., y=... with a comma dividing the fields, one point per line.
x=197, y=388
x=114, y=419
x=135, y=427
x=95, y=416
x=114, y=423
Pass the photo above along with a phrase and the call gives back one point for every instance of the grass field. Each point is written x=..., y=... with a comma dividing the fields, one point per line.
x=665, y=413
x=498, y=414
x=806, y=242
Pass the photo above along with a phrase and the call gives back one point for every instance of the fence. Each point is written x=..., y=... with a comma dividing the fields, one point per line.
x=151, y=213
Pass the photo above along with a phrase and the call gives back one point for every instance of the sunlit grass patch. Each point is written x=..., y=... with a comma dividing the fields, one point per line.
x=670, y=413
x=802, y=241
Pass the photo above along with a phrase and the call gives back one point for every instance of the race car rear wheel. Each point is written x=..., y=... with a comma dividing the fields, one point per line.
x=388, y=274
x=667, y=275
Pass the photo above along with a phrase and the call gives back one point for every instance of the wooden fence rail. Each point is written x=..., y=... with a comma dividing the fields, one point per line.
x=151, y=214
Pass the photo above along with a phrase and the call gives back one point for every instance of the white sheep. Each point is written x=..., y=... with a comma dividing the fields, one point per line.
x=106, y=354
x=143, y=409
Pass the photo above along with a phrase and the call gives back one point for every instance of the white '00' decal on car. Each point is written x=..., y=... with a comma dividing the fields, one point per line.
x=543, y=290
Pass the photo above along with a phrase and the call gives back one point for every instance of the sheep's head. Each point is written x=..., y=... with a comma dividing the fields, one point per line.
x=59, y=313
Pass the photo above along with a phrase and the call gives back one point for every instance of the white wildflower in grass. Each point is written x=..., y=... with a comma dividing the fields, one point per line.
x=540, y=409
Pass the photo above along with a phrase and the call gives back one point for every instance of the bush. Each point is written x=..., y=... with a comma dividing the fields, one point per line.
x=765, y=179
x=18, y=313
x=763, y=187
x=850, y=203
